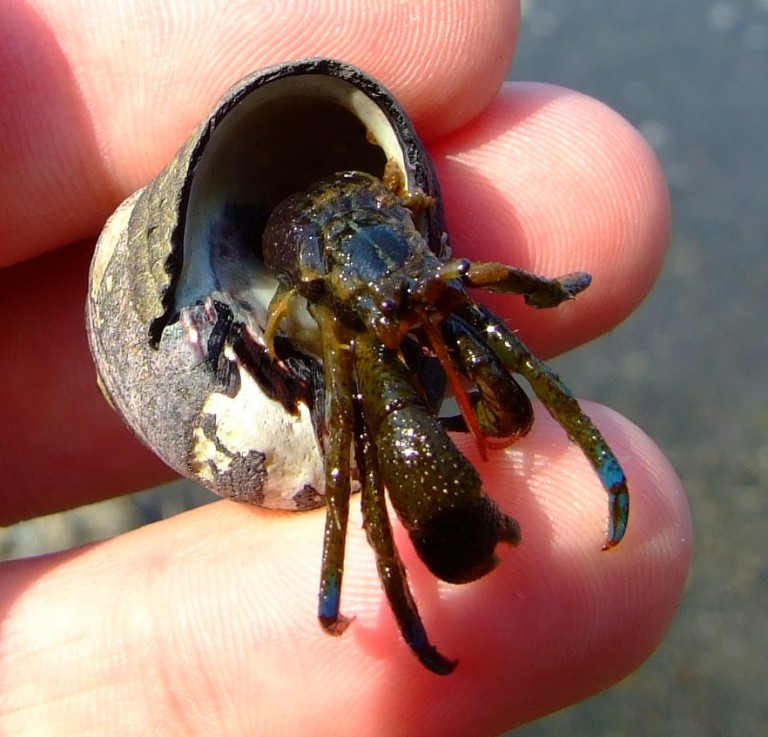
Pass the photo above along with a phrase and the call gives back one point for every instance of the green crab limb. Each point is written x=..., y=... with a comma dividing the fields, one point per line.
x=501, y=406
x=388, y=563
x=562, y=405
x=339, y=413
x=277, y=312
x=539, y=291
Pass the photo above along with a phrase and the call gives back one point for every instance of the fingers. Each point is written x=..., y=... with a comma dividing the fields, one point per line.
x=582, y=618
x=96, y=102
x=208, y=619
x=553, y=181
x=61, y=444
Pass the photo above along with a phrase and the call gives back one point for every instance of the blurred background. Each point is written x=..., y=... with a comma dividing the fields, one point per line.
x=692, y=75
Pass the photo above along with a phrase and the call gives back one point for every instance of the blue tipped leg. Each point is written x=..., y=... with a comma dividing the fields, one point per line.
x=561, y=404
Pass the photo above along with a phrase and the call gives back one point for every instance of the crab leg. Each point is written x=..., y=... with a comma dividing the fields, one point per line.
x=441, y=351
x=339, y=383
x=277, y=312
x=391, y=570
x=561, y=404
x=539, y=291
x=502, y=408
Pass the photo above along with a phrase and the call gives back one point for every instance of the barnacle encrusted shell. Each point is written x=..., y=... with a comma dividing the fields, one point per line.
x=190, y=240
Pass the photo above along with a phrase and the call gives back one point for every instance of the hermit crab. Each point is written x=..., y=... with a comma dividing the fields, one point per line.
x=277, y=315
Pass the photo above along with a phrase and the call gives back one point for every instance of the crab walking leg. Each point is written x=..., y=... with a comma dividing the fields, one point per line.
x=539, y=291
x=460, y=395
x=502, y=408
x=339, y=385
x=562, y=405
x=391, y=570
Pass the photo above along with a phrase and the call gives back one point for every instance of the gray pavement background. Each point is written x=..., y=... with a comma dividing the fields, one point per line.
x=690, y=366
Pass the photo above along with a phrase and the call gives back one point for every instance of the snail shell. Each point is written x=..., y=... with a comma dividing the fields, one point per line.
x=185, y=250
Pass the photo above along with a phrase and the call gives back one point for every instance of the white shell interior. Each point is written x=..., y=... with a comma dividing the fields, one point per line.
x=279, y=139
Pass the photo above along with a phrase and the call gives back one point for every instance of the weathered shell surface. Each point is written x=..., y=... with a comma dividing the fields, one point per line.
x=191, y=237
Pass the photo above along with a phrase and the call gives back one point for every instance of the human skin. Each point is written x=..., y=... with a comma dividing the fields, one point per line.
x=205, y=623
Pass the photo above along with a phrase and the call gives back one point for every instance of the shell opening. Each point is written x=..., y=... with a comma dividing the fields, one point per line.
x=276, y=140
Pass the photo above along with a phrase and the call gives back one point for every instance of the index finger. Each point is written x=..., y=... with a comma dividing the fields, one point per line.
x=95, y=104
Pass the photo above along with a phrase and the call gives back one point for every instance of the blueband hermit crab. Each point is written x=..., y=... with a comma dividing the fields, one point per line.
x=277, y=317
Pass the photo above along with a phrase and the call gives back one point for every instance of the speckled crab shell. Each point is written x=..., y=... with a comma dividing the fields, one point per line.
x=153, y=294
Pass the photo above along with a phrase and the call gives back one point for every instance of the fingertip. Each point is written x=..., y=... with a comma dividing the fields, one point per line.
x=547, y=483
x=554, y=181
x=573, y=617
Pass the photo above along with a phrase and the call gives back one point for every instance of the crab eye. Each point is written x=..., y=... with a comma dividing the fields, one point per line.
x=463, y=266
x=387, y=305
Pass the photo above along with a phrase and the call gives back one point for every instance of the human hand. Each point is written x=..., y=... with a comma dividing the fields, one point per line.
x=205, y=623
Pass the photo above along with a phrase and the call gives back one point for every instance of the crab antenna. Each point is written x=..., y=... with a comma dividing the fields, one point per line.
x=465, y=407
x=277, y=312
